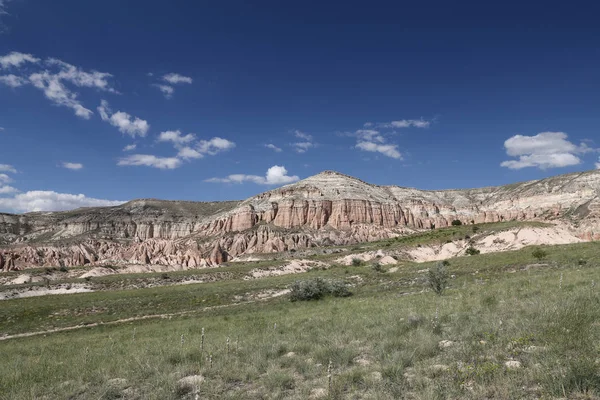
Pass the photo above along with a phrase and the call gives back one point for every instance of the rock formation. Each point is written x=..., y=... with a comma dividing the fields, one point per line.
x=326, y=209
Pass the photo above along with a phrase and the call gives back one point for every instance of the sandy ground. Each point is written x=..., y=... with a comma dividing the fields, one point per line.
x=513, y=239
x=131, y=269
x=375, y=256
x=294, y=267
x=42, y=291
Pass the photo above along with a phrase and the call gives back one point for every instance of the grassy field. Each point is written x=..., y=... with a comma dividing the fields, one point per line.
x=509, y=326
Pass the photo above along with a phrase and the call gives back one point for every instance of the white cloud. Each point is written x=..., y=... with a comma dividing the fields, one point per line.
x=12, y=81
x=544, y=150
x=302, y=135
x=307, y=143
x=214, y=146
x=302, y=147
x=148, y=160
x=5, y=178
x=51, y=201
x=58, y=93
x=52, y=81
x=16, y=59
x=7, y=190
x=129, y=147
x=123, y=121
x=7, y=168
x=165, y=89
x=390, y=150
x=276, y=175
x=176, y=137
x=174, y=79
x=187, y=153
x=273, y=147
x=371, y=140
x=598, y=164
x=1, y=129
x=78, y=77
x=403, y=123
x=73, y=166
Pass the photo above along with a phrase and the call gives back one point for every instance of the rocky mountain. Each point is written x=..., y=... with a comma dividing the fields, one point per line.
x=325, y=209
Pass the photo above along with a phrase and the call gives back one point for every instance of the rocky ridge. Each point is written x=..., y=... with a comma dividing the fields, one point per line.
x=326, y=209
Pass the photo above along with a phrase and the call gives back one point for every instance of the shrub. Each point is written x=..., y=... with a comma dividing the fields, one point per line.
x=377, y=267
x=472, y=251
x=475, y=229
x=317, y=288
x=539, y=254
x=63, y=269
x=437, y=278
x=456, y=222
x=356, y=262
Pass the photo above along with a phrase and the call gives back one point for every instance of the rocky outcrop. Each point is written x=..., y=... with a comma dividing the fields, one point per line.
x=327, y=209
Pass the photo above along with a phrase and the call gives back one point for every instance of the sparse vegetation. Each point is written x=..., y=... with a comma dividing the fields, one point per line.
x=501, y=330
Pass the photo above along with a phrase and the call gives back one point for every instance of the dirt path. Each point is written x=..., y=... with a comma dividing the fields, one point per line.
x=139, y=318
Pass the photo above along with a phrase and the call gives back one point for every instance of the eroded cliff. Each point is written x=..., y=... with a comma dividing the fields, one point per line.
x=328, y=208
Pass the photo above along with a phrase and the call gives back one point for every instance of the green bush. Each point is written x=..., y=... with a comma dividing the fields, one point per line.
x=317, y=288
x=539, y=254
x=356, y=262
x=472, y=251
x=437, y=278
x=456, y=222
x=377, y=267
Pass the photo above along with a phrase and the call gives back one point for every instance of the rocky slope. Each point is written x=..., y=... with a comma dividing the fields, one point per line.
x=328, y=208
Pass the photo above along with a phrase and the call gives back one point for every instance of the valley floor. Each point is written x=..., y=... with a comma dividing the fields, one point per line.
x=509, y=326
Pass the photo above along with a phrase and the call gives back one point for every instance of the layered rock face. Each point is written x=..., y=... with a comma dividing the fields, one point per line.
x=328, y=208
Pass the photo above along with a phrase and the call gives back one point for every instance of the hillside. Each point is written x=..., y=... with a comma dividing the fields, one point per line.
x=326, y=209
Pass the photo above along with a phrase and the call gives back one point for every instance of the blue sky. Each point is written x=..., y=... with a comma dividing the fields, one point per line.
x=223, y=100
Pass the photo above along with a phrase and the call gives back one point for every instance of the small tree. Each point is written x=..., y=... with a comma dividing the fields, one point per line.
x=437, y=278
x=539, y=254
x=456, y=222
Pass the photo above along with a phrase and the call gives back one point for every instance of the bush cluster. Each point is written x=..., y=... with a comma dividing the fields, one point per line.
x=317, y=288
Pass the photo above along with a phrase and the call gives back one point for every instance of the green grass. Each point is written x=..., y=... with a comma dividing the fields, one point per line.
x=383, y=341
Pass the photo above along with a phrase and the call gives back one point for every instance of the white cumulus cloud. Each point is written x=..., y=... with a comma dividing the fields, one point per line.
x=39, y=200
x=165, y=89
x=214, y=146
x=148, y=160
x=371, y=140
x=16, y=59
x=5, y=178
x=130, y=147
x=174, y=78
x=8, y=190
x=12, y=81
x=53, y=79
x=8, y=168
x=276, y=175
x=127, y=124
x=58, y=93
x=73, y=166
x=306, y=143
x=176, y=137
x=273, y=147
x=544, y=150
